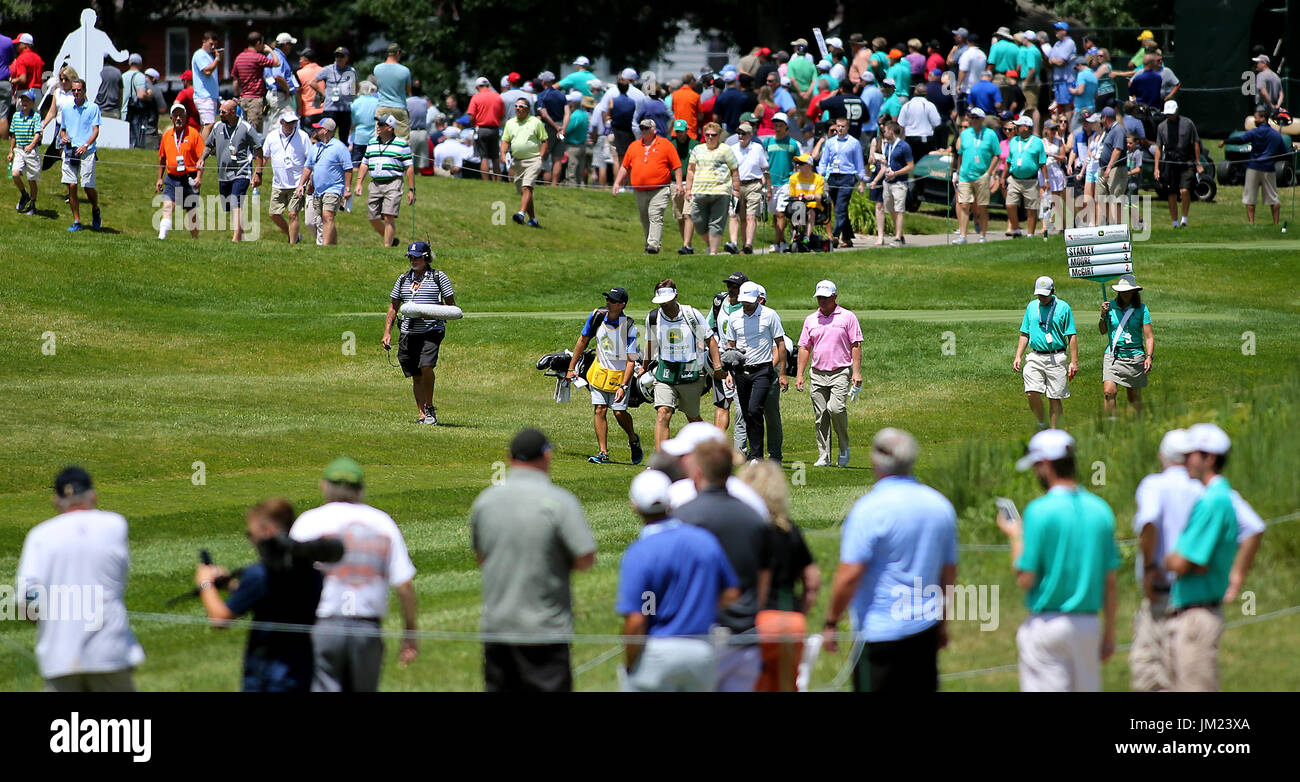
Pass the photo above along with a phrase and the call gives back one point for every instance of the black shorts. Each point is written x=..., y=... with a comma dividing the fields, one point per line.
x=232, y=193
x=415, y=351
x=1177, y=176
x=487, y=142
x=909, y=664
x=527, y=668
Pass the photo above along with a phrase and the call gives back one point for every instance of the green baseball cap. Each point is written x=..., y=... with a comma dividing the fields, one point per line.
x=679, y=124
x=345, y=471
x=748, y=117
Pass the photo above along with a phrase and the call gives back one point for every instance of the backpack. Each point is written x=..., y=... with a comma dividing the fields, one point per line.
x=673, y=372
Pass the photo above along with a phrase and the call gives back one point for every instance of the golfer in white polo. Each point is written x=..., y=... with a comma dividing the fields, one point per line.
x=1047, y=330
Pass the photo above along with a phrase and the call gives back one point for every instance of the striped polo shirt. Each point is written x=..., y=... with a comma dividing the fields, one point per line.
x=387, y=160
x=427, y=291
x=25, y=127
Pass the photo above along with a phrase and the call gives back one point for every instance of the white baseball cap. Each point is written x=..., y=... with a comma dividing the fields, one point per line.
x=1171, y=107
x=692, y=435
x=595, y=85
x=1043, y=286
x=649, y=490
x=451, y=132
x=1024, y=121
x=663, y=295
x=834, y=43
x=825, y=288
x=24, y=38
x=1175, y=445
x=1030, y=35
x=1046, y=446
x=780, y=117
x=574, y=96
x=152, y=73
x=284, y=38
x=749, y=292
x=974, y=112
x=582, y=60
x=1207, y=438
x=629, y=74
x=762, y=292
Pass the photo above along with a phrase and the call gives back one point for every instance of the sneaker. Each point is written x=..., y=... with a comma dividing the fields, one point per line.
x=31, y=208
x=652, y=251
x=748, y=249
x=959, y=239
x=686, y=251
x=600, y=458
x=430, y=415
x=1175, y=222
x=95, y=220
x=896, y=243
x=23, y=199
x=844, y=458
x=635, y=445
x=74, y=227
x=1016, y=234
x=824, y=461
x=731, y=248
x=981, y=238
x=534, y=224
x=521, y=218
x=846, y=243
x=1182, y=223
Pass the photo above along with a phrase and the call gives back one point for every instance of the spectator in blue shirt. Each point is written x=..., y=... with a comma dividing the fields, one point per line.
x=328, y=177
x=1084, y=89
x=985, y=94
x=622, y=109
x=730, y=104
x=842, y=166
x=1268, y=148
x=899, y=538
x=872, y=100
x=672, y=582
x=79, y=128
x=1144, y=87
x=654, y=109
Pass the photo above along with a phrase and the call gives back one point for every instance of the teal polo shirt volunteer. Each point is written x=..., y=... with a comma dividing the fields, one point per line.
x=1026, y=156
x=780, y=158
x=1209, y=540
x=1130, y=341
x=1056, y=321
x=977, y=153
x=1070, y=546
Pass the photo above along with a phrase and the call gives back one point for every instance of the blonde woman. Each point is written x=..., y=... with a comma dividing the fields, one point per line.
x=796, y=580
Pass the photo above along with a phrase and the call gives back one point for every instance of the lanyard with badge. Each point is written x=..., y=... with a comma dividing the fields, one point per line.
x=1046, y=323
x=180, y=152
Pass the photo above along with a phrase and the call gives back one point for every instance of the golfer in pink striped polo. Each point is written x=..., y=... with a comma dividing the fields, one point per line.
x=832, y=338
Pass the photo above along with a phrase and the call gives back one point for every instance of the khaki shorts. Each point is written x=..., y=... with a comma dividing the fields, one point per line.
x=709, y=213
x=976, y=192
x=285, y=200
x=330, y=202
x=403, y=119
x=1025, y=190
x=78, y=169
x=751, y=199
x=682, y=205
x=385, y=198
x=1254, y=181
x=1124, y=371
x=526, y=172
x=28, y=164
x=1031, y=97
x=895, y=193
x=1046, y=373
x=1194, y=649
x=1115, y=185
x=254, y=109
x=1148, y=658
x=684, y=397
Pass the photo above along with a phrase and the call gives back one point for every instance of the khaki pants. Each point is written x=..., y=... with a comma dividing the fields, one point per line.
x=576, y=172
x=1148, y=658
x=1194, y=649
x=254, y=109
x=830, y=394
x=652, y=204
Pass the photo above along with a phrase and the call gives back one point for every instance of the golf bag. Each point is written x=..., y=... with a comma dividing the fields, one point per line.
x=556, y=365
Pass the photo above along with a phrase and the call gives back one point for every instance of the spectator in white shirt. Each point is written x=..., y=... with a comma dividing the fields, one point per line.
x=71, y=579
x=755, y=186
x=287, y=151
x=918, y=118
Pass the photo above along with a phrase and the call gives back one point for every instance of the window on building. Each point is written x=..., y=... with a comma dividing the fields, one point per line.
x=178, y=51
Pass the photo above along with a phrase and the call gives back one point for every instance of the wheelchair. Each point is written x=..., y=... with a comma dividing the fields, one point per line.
x=808, y=224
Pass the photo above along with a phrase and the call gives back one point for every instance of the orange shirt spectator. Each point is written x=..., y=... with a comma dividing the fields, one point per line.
x=189, y=148
x=651, y=166
x=312, y=100
x=487, y=108
x=686, y=105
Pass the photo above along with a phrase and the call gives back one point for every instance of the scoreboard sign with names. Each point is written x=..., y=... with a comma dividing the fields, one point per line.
x=1099, y=252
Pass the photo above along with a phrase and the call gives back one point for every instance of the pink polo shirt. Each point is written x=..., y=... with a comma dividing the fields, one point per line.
x=831, y=338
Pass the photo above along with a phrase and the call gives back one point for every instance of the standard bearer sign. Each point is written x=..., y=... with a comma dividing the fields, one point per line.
x=1099, y=252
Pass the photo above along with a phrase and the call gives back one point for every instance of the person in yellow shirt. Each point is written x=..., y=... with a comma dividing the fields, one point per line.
x=180, y=169
x=807, y=203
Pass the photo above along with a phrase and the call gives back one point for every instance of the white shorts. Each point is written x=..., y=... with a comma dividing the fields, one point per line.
x=75, y=169
x=895, y=196
x=207, y=110
x=1047, y=374
x=673, y=665
x=27, y=164
x=780, y=198
x=1060, y=653
x=600, y=154
x=606, y=398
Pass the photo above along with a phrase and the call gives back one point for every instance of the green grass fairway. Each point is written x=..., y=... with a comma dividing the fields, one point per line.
x=149, y=362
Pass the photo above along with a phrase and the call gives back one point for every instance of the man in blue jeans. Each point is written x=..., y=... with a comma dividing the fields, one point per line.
x=842, y=167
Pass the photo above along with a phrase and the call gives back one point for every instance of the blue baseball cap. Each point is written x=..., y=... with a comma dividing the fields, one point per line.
x=936, y=72
x=34, y=94
x=463, y=120
x=419, y=250
x=1062, y=25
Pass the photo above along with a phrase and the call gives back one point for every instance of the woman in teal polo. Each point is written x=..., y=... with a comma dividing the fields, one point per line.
x=1126, y=322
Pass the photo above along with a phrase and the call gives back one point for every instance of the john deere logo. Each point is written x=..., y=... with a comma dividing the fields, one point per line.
x=1101, y=233
x=606, y=345
x=676, y=337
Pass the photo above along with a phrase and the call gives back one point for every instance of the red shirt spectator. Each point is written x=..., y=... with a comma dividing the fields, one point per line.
x=814, y=112
x=186, y=98
x=247, y=70
x=935, y=60
x=487, y=108
x=706, y=109
x=29, y=65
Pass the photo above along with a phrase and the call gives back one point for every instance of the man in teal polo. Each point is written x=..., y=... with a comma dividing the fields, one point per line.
x=1047, y=329
x=1026, y=157
x=1064, y=555
x=978, y=154
x=1202, y=558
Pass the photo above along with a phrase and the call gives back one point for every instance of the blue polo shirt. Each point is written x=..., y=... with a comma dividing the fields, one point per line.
x=673, y=575
x=622, y=108
x=80, y=122
x=1088, y=100
x=985, y=94
x=903, y=532
x=1209, y=540
x=1145, y=87
x=392, y=78
x=1267, y=147
x=204, y=86
x=873, y=98
x=329, y=164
